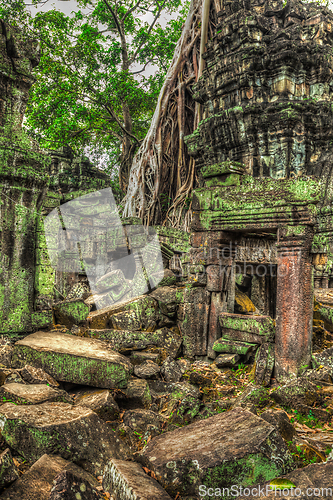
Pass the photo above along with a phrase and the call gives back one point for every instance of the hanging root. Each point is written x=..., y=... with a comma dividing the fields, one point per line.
x=163, y=174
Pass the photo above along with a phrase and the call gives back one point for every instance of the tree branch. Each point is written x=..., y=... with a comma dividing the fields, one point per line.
x=115, y=18
x=137, y=72
x=115, y=117
x=132, y=59
x=132, y=9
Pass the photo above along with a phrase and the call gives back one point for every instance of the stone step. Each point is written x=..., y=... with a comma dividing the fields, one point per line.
x=73, y=432
x=232, y=448
x=127, y=480
x=68, y=358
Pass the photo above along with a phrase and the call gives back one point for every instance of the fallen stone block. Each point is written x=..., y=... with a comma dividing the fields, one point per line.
x=233, y=347
x=168, y=299
x=73, y=432
x=33, y=375
x=8, y=470
x=171, y=370
x=68, y=358
x=127, y=480
x=70, y=312
x=145, y=422
x=32, y=394
x=125, y=340
x=297, y=392
x=324, y=415
x=71, y=486
x=193, y=321
x=264, y=364
x=99, y=400
x=252, y=329
x=168, y=278
x=252, y=394
x=112, y=279
x=6, y=352
x=37, y=482
x=137, y=394
x=280, y=420
x=8, y=376
x=139, y=357
x=232, y=448
x=227, y=360
x=140, y=314
x=148, y=369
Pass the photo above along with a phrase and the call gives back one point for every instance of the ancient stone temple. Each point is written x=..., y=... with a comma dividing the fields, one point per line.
x=262, y=222
x=32, y=183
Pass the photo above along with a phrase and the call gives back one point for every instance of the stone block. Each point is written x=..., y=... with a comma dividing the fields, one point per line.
x=137, y=395
x=264, y=364
x=193, y=317
x=231, y=448
x=32, y=394
x=233, y=347
x=33, y=375
x=73, y=432
x=37, y=482
x=72, y=312
x=127, y=480
x=280, y=420
x=148, y=370
x=99, y=400
x=110, y=280
x=68, y=358
x=227, y=360
x=255, y=329
x=297, y=392
x=8, y=470
x=215, y=277
x=168, y=339
x=70, y=486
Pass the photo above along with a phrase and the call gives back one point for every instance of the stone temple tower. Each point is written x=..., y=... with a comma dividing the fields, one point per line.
x=264, y=151
x=23, y=181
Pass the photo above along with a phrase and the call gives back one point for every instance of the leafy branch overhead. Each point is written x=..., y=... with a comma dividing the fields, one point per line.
x=100, y=72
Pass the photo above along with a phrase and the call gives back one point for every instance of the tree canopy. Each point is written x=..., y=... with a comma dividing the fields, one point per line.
x=92, y=87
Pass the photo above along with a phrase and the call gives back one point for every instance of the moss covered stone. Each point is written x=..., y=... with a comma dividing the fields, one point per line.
x=234, y=347
x=73, y=432
x=231, y=448
x=73, y=359
x=32, y=394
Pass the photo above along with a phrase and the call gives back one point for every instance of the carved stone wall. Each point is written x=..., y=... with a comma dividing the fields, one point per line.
x=263, y=151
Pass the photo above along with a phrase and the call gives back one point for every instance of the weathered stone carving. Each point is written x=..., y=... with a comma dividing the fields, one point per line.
x=263, y=150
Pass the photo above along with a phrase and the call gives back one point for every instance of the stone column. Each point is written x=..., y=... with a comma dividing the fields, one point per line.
x=21, y=198
x=294, y=308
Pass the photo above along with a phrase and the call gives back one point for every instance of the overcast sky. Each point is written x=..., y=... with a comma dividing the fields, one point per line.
x=68, y=6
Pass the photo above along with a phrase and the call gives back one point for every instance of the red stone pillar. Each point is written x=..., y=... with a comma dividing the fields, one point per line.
x=294, y=307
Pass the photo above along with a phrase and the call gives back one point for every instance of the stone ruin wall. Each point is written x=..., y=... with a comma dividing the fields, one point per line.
x=263, y=154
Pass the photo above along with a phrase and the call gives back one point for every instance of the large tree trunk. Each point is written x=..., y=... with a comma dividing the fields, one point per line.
x=163, y=174
x=128, y=149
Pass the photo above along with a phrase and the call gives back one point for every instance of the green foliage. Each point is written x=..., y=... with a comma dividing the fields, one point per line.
x=309, y=420
x=91, y=90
